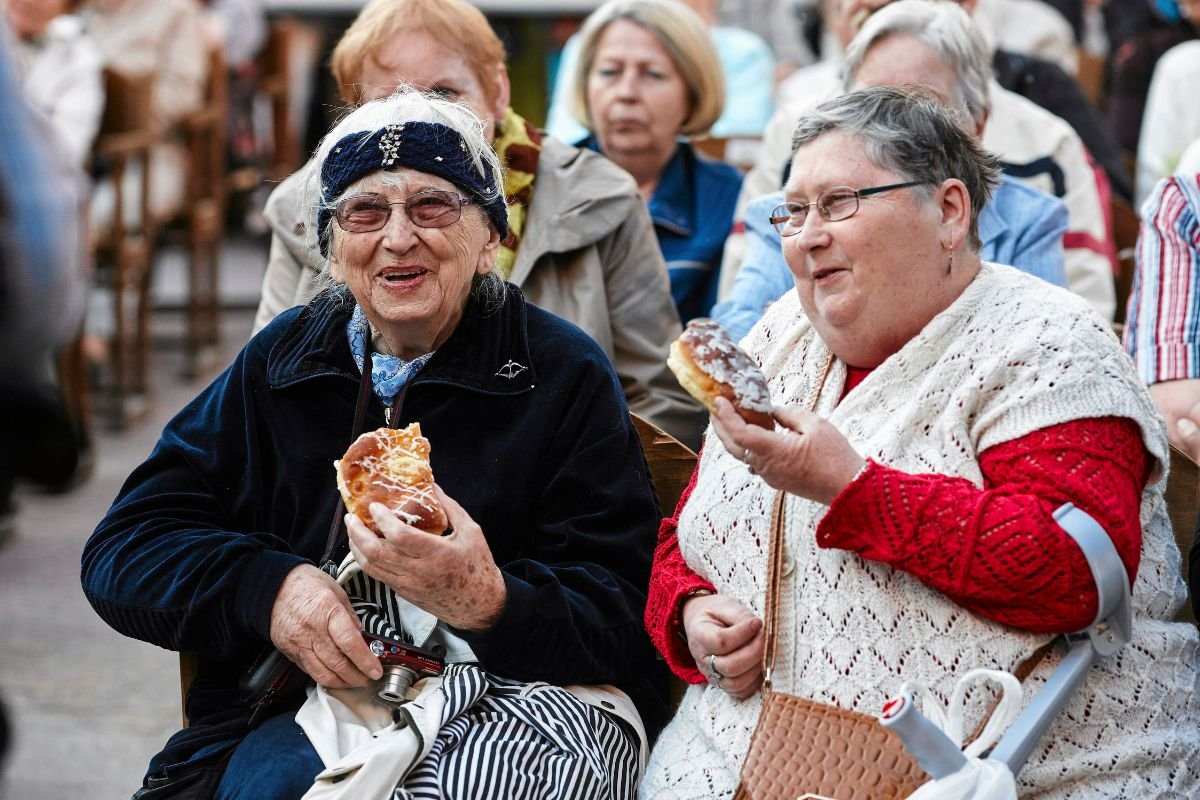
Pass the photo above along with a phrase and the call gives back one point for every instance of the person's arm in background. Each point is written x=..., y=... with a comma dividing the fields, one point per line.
x=1164, y=306
x=292, y=263
x=182, y=65
x=43, y=285
x=763, y=277
x=1037, y=247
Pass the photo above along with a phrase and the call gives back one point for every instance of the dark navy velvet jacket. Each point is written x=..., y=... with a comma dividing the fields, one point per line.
x=529, y=432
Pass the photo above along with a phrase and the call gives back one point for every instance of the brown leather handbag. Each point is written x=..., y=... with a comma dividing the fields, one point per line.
x=803, y=749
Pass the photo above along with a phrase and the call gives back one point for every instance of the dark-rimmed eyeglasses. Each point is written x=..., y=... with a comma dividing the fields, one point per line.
x=834, y=204
x=429, y=208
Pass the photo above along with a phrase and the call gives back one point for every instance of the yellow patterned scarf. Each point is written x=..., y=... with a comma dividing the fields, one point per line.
x=519, y=146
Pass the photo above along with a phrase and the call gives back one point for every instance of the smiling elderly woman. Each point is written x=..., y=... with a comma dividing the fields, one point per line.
x=214, y=543
x=933, y=412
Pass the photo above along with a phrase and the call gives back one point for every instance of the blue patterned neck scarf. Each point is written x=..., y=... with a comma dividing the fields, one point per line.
x=389, y=374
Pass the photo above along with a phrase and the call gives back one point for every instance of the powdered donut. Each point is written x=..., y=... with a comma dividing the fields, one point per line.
x=709, y=364
x=391, y=466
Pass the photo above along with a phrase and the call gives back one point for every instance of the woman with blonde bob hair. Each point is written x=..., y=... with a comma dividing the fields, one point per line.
x=687, y=40
x=648, y=74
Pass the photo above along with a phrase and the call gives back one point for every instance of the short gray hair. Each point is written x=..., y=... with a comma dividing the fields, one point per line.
x=406, y=104
x=908, y=131
x=947, y=30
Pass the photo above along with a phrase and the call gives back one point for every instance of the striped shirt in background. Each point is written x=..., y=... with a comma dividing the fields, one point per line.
x=1162, y=329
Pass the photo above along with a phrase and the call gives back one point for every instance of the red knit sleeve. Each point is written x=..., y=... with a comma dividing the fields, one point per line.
x=997, y=550
x=671, y=579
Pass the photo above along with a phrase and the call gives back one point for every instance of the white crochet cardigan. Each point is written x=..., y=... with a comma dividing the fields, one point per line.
x=1012, y=355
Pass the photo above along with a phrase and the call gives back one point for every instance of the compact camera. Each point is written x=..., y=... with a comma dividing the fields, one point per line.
x=403, y=665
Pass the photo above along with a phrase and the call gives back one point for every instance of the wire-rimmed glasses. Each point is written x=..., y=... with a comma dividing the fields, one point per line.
x=428, y=208
x=833, y=204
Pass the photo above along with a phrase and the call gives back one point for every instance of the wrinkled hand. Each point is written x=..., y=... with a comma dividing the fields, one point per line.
x=809, y=457
x=313, y=624
x=719, y=625
x=452, y=577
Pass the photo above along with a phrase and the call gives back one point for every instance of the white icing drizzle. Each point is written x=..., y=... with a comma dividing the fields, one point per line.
x=713, y=351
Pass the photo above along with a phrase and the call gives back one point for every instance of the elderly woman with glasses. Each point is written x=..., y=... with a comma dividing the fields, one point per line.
x=932, y=411
x=222, y=541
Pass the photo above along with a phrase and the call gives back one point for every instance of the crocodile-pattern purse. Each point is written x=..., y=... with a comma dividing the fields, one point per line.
x=805, y=750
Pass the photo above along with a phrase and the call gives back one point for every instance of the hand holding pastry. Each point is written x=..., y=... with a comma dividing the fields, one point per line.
x=709, y=364
x=453, y=577
x=805, y=456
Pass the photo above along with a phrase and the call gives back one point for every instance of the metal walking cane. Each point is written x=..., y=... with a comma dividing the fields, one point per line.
x=1111, y=630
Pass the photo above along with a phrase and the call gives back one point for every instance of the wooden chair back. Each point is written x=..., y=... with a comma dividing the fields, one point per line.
x=205, y=132
x=737, y=151
x=1126, y=226
x=123, y=250
x=276, y=72
x=1091, y=76
x=1183, y=503
x=189, y=668
x=671, y=463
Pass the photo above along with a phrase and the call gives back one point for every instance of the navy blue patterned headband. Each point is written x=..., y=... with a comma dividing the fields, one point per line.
x=424, y=146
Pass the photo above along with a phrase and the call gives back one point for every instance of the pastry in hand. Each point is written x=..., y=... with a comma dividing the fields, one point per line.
x=391, y=466
x=709, y=364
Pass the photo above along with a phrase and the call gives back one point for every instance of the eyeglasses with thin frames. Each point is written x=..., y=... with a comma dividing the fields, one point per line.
x=428, y=208
x=834, y=205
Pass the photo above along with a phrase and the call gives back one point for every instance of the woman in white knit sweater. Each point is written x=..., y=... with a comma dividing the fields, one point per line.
x=955, y=405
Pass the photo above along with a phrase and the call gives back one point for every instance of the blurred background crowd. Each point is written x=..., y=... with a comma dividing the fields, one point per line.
x=146, y=146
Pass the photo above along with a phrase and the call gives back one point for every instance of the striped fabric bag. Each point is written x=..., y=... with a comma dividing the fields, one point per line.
x=467, y=734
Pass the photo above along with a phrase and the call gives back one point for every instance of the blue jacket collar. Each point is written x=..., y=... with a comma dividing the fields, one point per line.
x=673, y=204
x=488, y=352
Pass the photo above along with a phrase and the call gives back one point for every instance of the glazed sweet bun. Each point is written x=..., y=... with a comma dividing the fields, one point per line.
x=709, y=364
x=391, y=466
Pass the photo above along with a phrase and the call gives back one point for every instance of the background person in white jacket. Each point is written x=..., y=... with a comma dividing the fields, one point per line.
x=1034, y=146
x=60, y=67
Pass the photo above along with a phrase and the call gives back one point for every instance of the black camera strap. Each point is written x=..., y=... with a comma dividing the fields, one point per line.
x=337, y=525
x=273, y=673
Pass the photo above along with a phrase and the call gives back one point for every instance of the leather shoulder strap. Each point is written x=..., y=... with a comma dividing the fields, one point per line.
x=774, y=577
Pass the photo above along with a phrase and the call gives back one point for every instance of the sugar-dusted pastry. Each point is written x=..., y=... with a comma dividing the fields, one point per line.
x=709, y=364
